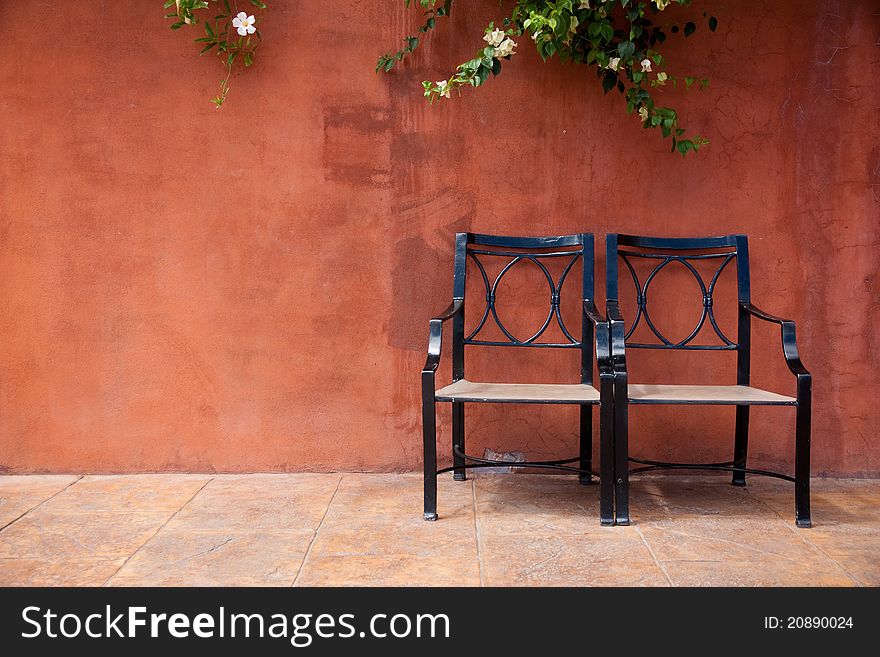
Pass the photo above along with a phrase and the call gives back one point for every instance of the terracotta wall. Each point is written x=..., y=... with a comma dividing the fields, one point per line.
x=189, y=289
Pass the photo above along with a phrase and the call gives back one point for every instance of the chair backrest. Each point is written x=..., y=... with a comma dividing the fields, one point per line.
x=475, y=249
x=686, y=251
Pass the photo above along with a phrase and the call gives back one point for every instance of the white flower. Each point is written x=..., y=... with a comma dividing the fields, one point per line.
x=643, y=114
x=614, y=63
x=661, y=77
x=505, y=49
x=585, y=4
x=661, y=4
x=443, y=88
x=244, y=24
x=494, y=38
x=646, y=65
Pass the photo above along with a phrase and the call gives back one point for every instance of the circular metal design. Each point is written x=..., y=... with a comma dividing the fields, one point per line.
x=510, y=265
x=647, y=314
x=707, y=294
x=555, y=296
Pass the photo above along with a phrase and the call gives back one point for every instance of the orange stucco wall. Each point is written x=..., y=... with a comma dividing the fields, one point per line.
x=183, y=288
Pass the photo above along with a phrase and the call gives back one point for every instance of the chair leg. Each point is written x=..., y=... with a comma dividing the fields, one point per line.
x=621, y=450
x=741, y=445
x=802, y=452
x=606, y=451
x=586, y=444
x=458, y=440
x=429, y=430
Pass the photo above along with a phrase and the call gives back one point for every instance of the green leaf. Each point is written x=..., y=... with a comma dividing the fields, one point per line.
x=689, y=28
x=609, y=80
x=248, y=58
x=713, y=23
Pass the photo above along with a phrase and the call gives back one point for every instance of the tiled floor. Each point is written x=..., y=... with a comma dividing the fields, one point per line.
x=363, y=529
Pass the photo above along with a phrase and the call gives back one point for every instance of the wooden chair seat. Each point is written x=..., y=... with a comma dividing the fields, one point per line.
x=698, y=394
x=526, y=393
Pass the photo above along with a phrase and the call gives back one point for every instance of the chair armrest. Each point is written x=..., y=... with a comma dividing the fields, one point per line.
x=613, y=310
x=453, y=309
x=753, y=310
x=602, y=337
x=592, y=313
x=617, y=336
x=789, y=337
x=435, y=335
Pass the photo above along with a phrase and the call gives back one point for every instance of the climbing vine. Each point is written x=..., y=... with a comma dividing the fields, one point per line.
x=230, y=33
x=621, y=40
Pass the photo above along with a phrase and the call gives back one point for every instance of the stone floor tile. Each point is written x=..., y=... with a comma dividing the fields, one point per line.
x=617, y=557
x=260, y=502
x=58, y=570
x=354, y=526
x=216, y=558
x=18, y=495
x=302, y=483
x=857, y=553
x=844, y=505
x=45, y=535
x=672, y=497
x=413, y=537
x=35, y=484
x=145, y=493
x=388, y=570
x=714, y=538
x=536, y=504
x=766, y=572
x=359, y=529
x=378, y=494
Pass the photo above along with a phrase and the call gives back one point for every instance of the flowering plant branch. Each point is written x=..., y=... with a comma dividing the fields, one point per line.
x=231, y=32
x=432, y=12
x=619, y=39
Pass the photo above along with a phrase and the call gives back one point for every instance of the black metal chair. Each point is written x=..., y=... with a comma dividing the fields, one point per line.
x=594, y=335
x=685, y=251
